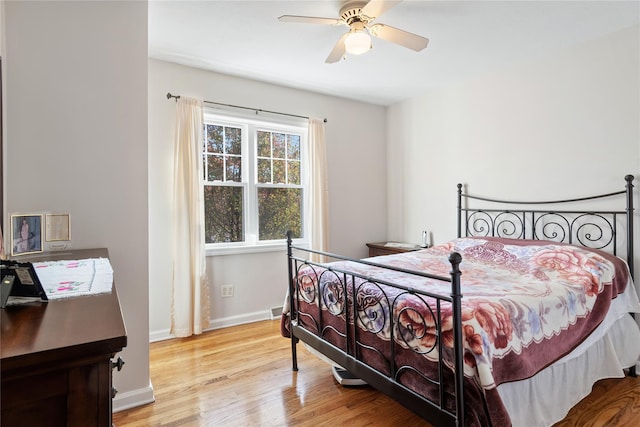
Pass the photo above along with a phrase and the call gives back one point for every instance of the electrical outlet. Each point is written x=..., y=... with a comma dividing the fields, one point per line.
x=227, y=290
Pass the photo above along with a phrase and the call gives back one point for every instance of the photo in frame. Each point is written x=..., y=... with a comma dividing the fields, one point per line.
x=57, y=227
x=26, y=234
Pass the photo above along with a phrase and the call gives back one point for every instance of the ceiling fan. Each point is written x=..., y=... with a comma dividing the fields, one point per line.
x=359, y=16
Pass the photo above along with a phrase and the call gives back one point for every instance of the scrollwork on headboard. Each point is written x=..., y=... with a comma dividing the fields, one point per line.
x=593, y=230
x=597, y=229
x=501, y=224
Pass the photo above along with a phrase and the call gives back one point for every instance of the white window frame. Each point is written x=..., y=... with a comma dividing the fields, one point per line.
x=249, y=126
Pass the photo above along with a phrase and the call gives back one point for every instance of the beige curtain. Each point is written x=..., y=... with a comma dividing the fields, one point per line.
x=190, y=292
x=319, y=189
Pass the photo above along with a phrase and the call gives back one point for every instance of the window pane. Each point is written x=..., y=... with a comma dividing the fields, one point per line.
x=293, y=173
x=279, y=145
x=293, y=147
x=233, y=140
x=223, y=214
x=234, y=169
x=264, y=171
x=264, y=144
x=280, y=210
x=214, y=168
x=279, y=172
x=214, y=138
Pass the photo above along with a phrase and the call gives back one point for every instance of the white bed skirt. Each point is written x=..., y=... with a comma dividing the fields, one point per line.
x=612, y=347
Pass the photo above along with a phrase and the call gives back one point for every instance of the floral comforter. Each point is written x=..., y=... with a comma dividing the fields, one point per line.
x=525, y=304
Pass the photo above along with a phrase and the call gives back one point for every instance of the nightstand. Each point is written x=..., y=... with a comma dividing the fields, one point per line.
x=388, y=248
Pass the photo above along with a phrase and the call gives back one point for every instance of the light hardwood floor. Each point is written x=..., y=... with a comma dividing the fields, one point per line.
x=241, y=376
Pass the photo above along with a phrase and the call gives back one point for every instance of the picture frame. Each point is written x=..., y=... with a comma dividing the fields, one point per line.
x=26, y=234
x=57, y=228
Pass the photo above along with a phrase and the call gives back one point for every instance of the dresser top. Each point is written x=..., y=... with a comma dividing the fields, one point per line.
x=62, y=328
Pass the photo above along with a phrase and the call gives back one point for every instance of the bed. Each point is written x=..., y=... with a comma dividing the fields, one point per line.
x=509, y=324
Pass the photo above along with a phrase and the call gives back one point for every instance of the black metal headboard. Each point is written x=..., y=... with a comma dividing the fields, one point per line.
x=594, y=229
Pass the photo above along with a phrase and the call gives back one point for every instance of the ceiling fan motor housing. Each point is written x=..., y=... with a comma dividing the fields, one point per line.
x=351, y=10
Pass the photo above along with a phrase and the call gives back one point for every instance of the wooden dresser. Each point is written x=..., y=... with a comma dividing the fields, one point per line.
x=56, y=357
x=388, y=248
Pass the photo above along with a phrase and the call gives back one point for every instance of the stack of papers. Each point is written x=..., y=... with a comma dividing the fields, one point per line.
x=65, y=279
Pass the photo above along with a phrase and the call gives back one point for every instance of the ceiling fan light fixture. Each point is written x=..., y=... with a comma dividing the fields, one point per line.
x=357, y=42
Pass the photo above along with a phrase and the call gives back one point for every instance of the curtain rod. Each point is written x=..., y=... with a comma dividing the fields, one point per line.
x=257, y=110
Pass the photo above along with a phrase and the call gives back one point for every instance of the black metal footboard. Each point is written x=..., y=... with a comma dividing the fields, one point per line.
x=342, y=314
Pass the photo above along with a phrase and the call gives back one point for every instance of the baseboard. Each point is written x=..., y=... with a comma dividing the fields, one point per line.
x=133, y=398
x=223, y=322
x=160, y=335
x=241, y=319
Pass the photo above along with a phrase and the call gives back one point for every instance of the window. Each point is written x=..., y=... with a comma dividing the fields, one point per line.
x=255, y=183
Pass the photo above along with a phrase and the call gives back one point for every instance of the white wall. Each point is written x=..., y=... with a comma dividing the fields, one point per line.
x=561, y=126
x=355, y=137
x=76, y=101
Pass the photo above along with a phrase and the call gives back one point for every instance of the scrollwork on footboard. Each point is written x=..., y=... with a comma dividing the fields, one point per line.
x=419, y=329
x=369, y=326
x=371, y=306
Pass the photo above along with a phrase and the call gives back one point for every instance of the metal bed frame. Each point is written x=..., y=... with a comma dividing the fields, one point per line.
x=595, y=229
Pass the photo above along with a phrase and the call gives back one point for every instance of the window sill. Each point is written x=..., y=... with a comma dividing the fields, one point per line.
x=250, y=249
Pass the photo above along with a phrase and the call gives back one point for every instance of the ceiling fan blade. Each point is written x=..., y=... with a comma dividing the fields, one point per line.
x=338, y=50
x=397, y=36
x=309, y=20
x=375, y=8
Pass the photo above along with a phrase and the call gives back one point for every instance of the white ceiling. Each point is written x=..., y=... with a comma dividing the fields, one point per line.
x=467, y=38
